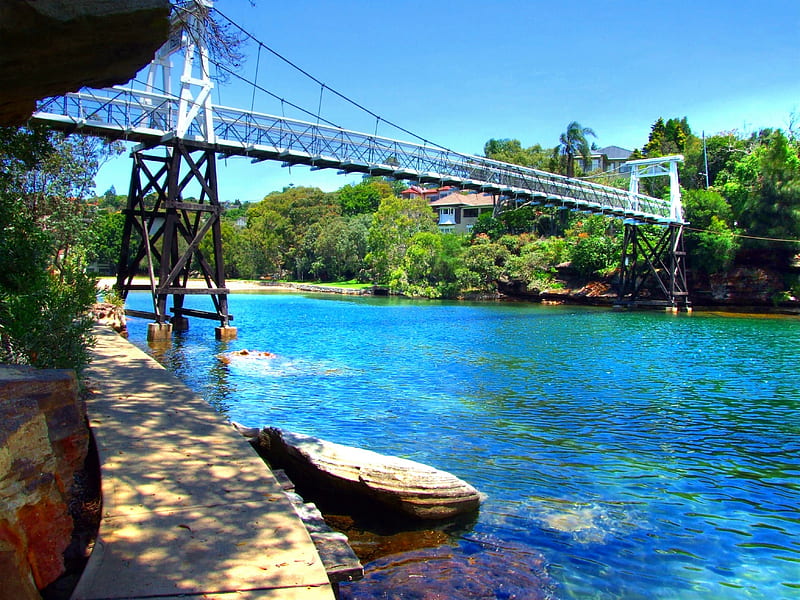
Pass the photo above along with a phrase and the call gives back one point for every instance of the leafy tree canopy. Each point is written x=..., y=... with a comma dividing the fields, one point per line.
x=396, y=221
x=763, y=188
x=511, y=151
x=573, y=142
x=365, y=196
x=667, y=138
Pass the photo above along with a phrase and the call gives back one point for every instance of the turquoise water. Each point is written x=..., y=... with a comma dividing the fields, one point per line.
x=644, y=455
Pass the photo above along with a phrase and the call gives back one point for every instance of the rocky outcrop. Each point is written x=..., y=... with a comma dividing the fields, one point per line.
x=50, y=47
x=407, y=487
x=746, y=285
x=43, y=442
x=111, y=315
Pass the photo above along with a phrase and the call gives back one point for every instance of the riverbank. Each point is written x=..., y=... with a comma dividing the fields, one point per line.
x=740, y=294
x=254, y=285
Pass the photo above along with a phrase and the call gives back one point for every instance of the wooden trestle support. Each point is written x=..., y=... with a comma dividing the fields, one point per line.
x=162, y=236
x=653, y=269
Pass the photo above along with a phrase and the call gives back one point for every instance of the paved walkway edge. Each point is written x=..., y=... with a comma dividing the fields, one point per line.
x=189, y=509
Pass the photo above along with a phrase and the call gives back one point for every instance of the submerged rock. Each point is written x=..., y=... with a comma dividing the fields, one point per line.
x=245, y=354
x=468, y=570
x=411, y=488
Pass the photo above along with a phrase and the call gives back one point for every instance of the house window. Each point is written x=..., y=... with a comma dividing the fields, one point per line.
x=447, y=216
x=447, y=229
x=471, y=212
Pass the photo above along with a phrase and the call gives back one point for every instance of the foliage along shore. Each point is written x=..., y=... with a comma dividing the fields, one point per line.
x=741, y=198
x=752, y=290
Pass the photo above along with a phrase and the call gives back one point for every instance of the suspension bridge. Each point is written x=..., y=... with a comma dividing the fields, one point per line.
x=163, y=231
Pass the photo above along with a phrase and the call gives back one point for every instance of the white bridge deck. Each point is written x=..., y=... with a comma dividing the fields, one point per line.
x=151, y=118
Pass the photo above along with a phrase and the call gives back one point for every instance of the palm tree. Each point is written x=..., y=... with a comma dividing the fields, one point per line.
x=573, y=142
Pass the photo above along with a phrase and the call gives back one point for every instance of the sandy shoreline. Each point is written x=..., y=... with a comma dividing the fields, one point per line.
x=233, y=285
x=255, y=285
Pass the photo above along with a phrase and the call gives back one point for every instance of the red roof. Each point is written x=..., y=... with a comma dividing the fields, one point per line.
x=459, y=199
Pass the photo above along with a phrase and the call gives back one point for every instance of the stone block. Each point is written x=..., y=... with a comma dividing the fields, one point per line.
x=70, y=454
x=63, y=421
x=16, y=581
x=48, y=528
x=44, y=438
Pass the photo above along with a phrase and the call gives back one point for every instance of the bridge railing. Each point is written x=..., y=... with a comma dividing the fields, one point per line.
x=151, y=117
x=324, y=145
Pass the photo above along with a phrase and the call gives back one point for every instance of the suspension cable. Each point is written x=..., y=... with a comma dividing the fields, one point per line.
x=275, y=96
x=255, y=81
x=335, y=92
x=745, y=236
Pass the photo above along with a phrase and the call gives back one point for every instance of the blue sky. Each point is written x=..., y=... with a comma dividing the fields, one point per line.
x=460, y=73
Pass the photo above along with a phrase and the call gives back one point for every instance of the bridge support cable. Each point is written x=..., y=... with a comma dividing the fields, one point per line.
x=164, y=231
x=653, y=271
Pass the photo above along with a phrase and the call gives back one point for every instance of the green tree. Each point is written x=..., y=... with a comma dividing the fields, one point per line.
x=667, y=138
x=364, y=197
x=277, y=227
x=763, y=188
x=535, y=262
x=396, y=221
x=488, y=225
x=594, y=246
x=428, y=268
x=573, y=143
x=511, y=151
x=44, y=291
x=104, y=237
x=710, y=242
x=339, y=247
x=112, y=201
x=482, y=264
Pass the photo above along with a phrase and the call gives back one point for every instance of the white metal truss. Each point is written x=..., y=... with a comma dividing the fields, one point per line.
x=188, y=40
x=655, y=167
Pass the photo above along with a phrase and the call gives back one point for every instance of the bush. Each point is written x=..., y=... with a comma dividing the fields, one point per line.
x=592, y=254
x=47, y=325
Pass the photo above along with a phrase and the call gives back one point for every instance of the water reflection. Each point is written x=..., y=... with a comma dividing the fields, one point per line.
x=637, y=455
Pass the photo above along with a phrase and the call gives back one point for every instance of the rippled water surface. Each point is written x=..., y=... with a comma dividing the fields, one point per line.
x=641, y=455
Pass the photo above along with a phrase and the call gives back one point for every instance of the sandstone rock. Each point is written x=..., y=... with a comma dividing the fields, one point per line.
x=50, y=47
x=16, y=581
x=411, y=488
x=746, y=285
x=44, y=439
x=245, y=354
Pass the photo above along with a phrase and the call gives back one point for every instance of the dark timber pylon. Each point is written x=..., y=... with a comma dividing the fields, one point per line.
x=653, y=270
x=162, y=236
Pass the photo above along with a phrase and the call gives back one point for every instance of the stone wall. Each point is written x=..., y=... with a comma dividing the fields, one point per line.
x=44, y=438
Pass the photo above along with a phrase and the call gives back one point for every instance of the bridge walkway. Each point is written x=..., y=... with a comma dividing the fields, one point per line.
x=189, y=509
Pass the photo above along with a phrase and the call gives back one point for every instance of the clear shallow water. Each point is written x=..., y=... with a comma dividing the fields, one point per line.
x=644, y=455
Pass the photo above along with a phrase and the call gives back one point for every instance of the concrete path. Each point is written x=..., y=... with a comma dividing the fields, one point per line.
x=189, y=509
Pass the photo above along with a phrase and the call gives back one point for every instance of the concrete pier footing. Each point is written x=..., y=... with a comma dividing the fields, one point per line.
x=159, y=332
x=225, y=333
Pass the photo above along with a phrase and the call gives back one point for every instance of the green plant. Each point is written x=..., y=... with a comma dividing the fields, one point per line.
x=593, y=254
x=112, y=296
x=48, y=326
